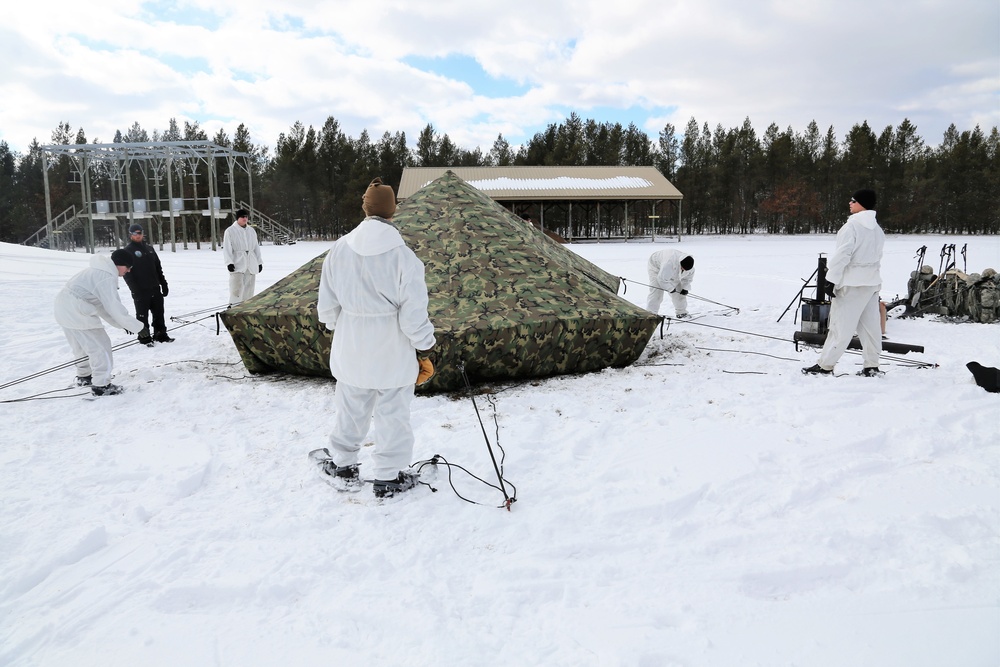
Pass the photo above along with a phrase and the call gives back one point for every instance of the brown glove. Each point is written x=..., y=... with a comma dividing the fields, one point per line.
x=426, y=371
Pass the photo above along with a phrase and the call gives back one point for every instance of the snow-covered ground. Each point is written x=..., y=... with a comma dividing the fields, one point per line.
x=710, y=505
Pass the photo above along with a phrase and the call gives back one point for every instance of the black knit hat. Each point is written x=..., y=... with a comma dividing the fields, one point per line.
x=866, y=198
x=687, y=263
x=135, y=229
x=122, y=257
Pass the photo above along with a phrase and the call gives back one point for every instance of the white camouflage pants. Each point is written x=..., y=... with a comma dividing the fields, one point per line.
x=92, y=348
x=241, y=286
x=355, y=408
x=655, y=296
x=853, y=309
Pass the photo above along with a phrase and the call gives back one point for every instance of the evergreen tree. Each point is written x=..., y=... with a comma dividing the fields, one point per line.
x=10, y=196
x=172, y=132
x=669, y=153
x=135, y=135
x=426, y=151
x=501, y=154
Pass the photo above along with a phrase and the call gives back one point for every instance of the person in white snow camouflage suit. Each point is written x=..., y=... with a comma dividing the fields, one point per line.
x=241, y=252
x=89, y=297
x=373, y=296
x=670, y=271
x=854, y=279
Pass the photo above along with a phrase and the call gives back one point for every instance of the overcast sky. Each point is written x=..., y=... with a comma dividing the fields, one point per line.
x=478, y=68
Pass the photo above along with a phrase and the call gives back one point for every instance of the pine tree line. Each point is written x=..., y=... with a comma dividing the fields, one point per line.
x=733, y=181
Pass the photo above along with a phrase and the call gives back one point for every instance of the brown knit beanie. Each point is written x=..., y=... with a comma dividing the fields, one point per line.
x=379, y=200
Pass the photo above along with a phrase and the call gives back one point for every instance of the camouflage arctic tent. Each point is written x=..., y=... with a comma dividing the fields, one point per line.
x=505, y=299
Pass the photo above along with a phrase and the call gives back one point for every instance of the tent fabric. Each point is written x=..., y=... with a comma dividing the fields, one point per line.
x=506, y=301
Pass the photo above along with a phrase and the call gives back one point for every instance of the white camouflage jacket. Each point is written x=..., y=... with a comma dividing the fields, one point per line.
x=373, y=295
x=91, y=296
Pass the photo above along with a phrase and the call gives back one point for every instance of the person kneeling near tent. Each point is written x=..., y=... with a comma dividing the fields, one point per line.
x=670, y=271
x=89, y=297
x=373, y=296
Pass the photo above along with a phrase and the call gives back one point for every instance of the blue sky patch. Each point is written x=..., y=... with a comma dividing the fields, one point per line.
x=182, y=65
x=466, y=69
x=181, y=14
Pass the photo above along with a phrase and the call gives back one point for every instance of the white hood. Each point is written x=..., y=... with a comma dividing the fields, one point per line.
x=91, y=296
x=865, y=218
x=373, y=236
x=104, y=263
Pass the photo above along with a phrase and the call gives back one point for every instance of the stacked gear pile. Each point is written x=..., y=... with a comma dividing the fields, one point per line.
x=971, y=296
x=505, y=300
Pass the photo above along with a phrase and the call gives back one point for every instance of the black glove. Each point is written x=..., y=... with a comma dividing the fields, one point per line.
x=260, y=267
x=829, y=289
x=231, y=267
x=164, y=289
x=684, y=292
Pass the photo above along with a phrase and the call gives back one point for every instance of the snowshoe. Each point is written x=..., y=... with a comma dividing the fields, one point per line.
x=387, y=488
x=342, y=478
x=107, y=390
x=870, y=372
x=816, y=369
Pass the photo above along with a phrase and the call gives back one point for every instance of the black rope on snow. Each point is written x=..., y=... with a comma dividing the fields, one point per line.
x=508, y=500
x=42, y=396
x=748, y=333
x=119, y=346
x=899, y=360
x=187, y=322
x=763, y=354
x=693, y=296
x=180, y=317
x=437, y=459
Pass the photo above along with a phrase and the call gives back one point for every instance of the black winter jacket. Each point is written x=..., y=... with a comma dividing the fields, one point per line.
x=146, y=276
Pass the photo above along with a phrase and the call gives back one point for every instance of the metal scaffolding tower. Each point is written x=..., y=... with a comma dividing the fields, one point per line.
x=165, y=173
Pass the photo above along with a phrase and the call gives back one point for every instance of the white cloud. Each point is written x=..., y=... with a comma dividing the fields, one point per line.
x=106, y=64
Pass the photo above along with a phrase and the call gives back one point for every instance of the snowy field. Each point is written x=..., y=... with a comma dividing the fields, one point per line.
x=709, y=506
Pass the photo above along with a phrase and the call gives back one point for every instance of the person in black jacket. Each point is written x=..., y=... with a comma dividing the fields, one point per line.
x=148, y=287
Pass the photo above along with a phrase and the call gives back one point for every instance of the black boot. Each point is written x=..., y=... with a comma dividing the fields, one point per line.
x=342, y=478
x=387, y=488
x=84, y=380
x=107, y=390
x=162, y=337
x=145, y=338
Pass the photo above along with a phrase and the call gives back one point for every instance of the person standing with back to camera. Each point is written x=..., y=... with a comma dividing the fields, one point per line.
x=373, y=296
x=241, y=252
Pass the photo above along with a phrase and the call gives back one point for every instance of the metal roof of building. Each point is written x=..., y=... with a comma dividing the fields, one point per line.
x=550, y=183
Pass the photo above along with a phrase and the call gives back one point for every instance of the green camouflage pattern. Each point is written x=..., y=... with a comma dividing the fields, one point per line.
x=278, y=330
x=972, y=297
x=506, y=301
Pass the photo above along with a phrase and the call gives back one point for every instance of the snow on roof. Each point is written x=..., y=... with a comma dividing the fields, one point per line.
x=560, y=183
x=537, y=183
